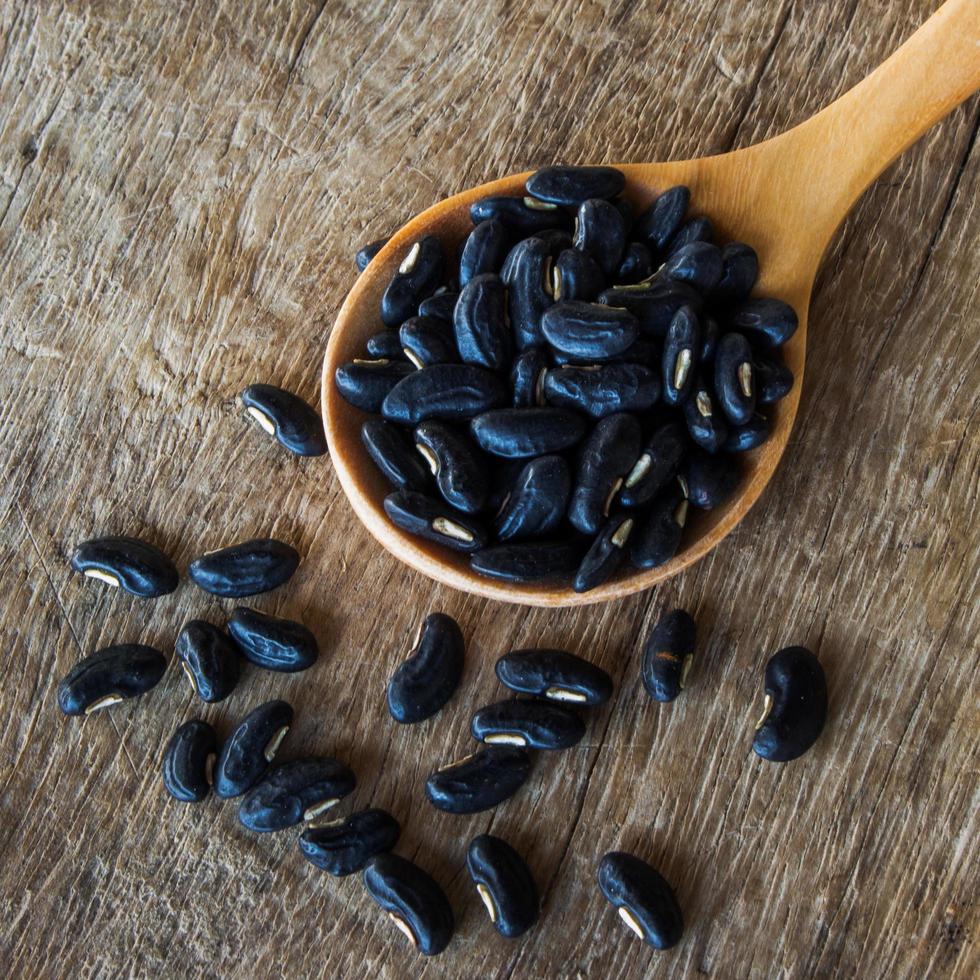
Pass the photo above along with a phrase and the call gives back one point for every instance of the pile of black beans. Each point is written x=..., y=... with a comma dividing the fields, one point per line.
x=554, y=401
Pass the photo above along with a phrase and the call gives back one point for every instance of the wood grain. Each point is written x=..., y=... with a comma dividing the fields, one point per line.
x=181, y=190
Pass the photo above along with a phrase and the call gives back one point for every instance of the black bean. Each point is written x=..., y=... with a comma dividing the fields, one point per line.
x=457, y=465
x=413, y=901
x=605, y=554
x=653, y=303
x=642, y=351
x=657, y=533
x=126, y=563
x=250, y=749
x=444, y=391
x=287, y=417
x=365, y=253
x=110, y=675
x=588, y=331
x=765, y=322
x=535, y=506
x=272, y=643
x=343, y=847
x=656, y=466
x=734, y=378
x=575, y=275
x=573, y=185
x=698, y=264
x=557, y=241
x=394, y=454
x=523, y=214
x=428, y=340
x=505, y=885
x=636, y=265
x=294, y=792
x=681, y=348
x=480, y=781
x=423, y=683
x=626, y=209
x=554, y=674
x=432, y=519
x=417, y=277
x=187, y=760
x=527, y=275
x=607, y=456
x=527, y=723
x=796, y=705
x=740, y=270
x=365, y=382
x=503, y=474
x=643, y=899
x=439, y=304
x=658, y=224
x=480, y=323
x=527, y=377
x=385, y=346
x=706, y=423
x=695, y=230
x=710, y=332
x=711, y=480
x=601, y=390
x=485, y=249
x=749, y=436
x=519, y=433
x=668, y=655
x=773, y=380
x=245, y=569
x=526, y=562
x=209, y=659
x=601, y=233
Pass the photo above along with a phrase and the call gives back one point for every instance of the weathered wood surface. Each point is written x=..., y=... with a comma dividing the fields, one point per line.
x=181, y=189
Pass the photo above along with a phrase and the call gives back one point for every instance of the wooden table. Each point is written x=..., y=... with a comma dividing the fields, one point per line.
x=182, y=188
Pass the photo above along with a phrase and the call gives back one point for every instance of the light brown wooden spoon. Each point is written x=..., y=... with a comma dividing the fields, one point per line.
x=785, y=197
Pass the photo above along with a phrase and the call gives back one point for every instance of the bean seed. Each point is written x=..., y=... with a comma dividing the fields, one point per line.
x=526, y=562
x=573, y=185
x=247, y=753
x=734, y=381
x=656, y=466
x=588, y=331
x=523, y=214
x=485, y=249
x=209, y=659
x=765, y=322
x=556, y=675
x=749, y=436
x=505, y=885
x=519, y=433
x=605, y=554
x=367, y=252
x=271, y=643
x=668, y=655
x=695, y=230
x=456, y=464
x=244, y=569
x=431, y=519
x=643, y=899
x=658, y=224
x=527, y=377
x=575, y=275
x=428, y=340
x=480, y=781
x=503, y=474
x=365, y=383
x=773, y=379
x=602, y=390
x=343, y=847
x=601, y=233
x=625, y=209
x=526, y=274
x=444, y=391
x=706, y=423
x=653, y=303
x=294, y=792
x=110, y=675
x=287, y=417
x=711, y=480
x=126, y=563
x=439, y=305
x=740, y=270
x=394, y=455
x=536, y=505
x=710, y=332
x=636, y=265
x=699, y=264
x=417, y=277
x=527, y=723
x=681, y=347
x=385, y=346
x=657, y=534
x=413, y=901
x=795, y=708
x=427, y=679
x=480, y=323
x=187, y=760
x=557, y=241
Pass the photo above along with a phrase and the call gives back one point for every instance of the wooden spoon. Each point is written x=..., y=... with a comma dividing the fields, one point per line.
x=785, y=197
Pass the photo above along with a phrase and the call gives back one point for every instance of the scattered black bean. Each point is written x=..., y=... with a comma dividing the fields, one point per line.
x=536, y=504
x=417, y=277
x=529, y=561
x=394, y=454
x=272, y=643
x=209, y=659
x=601, y=233
x=711, y=479
x=479, y=782
x=480, y=323
x=444, y=391
x=766, y=322
x=740, y=270
x=681, y=347
x=485, y=250
x=187, y=760
x=432, y=519
x=367, y=252
x=423, y=683
x=110, y=675
x=603, y=389
x=572, y=185
x=505, y=885
x=524, y=214
x=706, y=423
x=668, y=655
x=734, y=378
x=294, y=792
x=250, y=749
x=528, y=723
x=527, y=378
x=657, y=464
x=244, y=569
x=605, y=554
x=428, y=340
x=575, y=275
x=126, y=563
x=554, y=674
x=795, y=708
x=658, y=224
x=365, y=382
x=643, y=899
x=588, y=331
x=698, y=264
x=657, y=534
x=521, y=433
x=343, y=847
x=286, y=417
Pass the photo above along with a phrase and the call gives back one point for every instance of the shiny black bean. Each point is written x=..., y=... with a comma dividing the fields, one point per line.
x=343, y=847
x=536, y=504
x=556, y=239
x=480, y=323
x=636, y=265
x=740, y=270
x=245, y=569
x=657, y=464
x=413, y=901
x=439, y=304
x=695, y=230
x=127, y=563
x=432, y=519
x=505, y=885
x=765, y=322
x=626, y=209
x=706, y=423
x=417, y=277
x=385, y=346
x=365, y=383
x=503, y=474
x=427, y=679
x=428, y=340
x=532, y=561
x=658, y=224
x=209, y=659
x=710, y=332
x=528, y=723
x=588, y=331
x=287, y=417
x=734, y=378
x=486, y=248
x=607, y=456
x=556, y=675
x=523, y=214
x=605, y=554
x=457, y=465
x=668, y=655
x=749, y=436
x=711, y=480
x=795, y=708
x=601, y=233
x=773, y=380
x=653, y=303
x=187, y=760
x=681, y=348
x=480, y=781
x=601, y=390
x=520, y=433
x=527, y=276
x=294, y=792
x=394, y=454
x=657, y=533
x=249, y=750
x=699, y=264
x=527, y=377
x=272, y=643
x=444, y=391
x=642, y=898
x=573, y=185
x=575, y=275
x=365, y=253
x=110, y=675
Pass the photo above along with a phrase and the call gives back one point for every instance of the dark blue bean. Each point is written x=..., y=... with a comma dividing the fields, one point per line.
x=365, y=253
x=286, y=417
x=706, y=423
x=245, y=569
x=575, y=275
x=428, y=678
x=734, y=378
x=532, y=561
x=773, y=380
x=110, y=675
x=636, y=265
x=668, y=655
x=528, y=723
x=749, y=436
x=601, y=233
x=681, y=348
x=365, y=383
x=505, y=885
x=486, y=248
x=536, y=504
x=394, y=454
x=440, y=304
x=658, y=224
x=740, y=270
x=433, y=520
x=127, y=563
x=695, y=230
x=765, y=322
x=428, y=340
x=343, y=847
x=601, y=390
x=272, y=643
x=295, y=792
x=556, y=675
x=699, y=264
x=480, y=781
x=520, y=433
x=527, y=377
x=385, y=346
x=480, y=323
x=710, y=332
x=249, y=750
x=657, y=464
x=457, y=465
x=795, y=708
x=643, y=899
x=209, y=659
x=605, y=554
x=444, y=391
x=187, y=760
x=417, y=277
x=657, y=533
x=711, y=480
x=573, y=185
x=653, y=303
x=523, y=214
x=526, y=274
x=588, y=331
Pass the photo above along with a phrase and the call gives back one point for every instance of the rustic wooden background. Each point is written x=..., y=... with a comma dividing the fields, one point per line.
x=182, y=187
